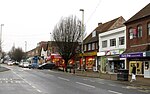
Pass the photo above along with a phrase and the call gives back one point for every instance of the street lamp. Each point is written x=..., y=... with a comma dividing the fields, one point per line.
x=1, y=41
x=82, y=10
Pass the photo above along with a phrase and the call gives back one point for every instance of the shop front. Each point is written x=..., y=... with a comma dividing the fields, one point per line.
x=89, y=61
x=110, y=61
x=141, y=60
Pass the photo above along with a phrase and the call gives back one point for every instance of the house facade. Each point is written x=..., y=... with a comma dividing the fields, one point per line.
x=138, y=42
x=112, y=43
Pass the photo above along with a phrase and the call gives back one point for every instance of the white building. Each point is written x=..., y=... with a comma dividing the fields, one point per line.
x=112, y=43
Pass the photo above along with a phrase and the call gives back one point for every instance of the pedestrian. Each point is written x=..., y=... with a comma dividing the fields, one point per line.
x=133, y=73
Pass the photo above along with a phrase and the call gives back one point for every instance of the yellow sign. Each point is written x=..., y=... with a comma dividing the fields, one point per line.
x=89, y=54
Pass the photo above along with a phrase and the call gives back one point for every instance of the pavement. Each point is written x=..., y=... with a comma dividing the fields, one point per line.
x=140, y=80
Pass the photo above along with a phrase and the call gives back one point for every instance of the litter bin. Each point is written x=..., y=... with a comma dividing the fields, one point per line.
x=123, y=74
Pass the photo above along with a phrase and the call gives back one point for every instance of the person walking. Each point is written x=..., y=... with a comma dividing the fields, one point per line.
x=133, y=73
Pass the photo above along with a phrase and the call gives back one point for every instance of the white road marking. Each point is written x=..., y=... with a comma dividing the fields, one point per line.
x=63, y=79
x=85, y=84
x=111, y=85
x=100, y=82
x=85, y=79
x=114, y=92
x=92, y=81
x=27, y=82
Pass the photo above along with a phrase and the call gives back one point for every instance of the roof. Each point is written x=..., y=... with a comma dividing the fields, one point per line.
x=138, y=49
x=113, y=24
x=141, y=14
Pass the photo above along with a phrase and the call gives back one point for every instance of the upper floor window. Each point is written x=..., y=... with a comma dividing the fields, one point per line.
x=85, y=48
x=131, y=33
x=93, y=46
x=121, y=40
x=94, y=34
x=96, y=45
x=139, y=31
x=104, y=44
x=113, y=42
x=148, y=28
x=89, y=47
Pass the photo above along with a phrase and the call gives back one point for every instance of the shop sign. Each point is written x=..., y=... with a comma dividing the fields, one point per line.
x=111, y=52
x=130, y=55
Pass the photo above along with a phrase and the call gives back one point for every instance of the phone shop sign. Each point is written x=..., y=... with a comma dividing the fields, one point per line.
x=131, y=55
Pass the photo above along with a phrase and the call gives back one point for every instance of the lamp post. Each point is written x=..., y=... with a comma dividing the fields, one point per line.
x=82, y=10
x=1, y=41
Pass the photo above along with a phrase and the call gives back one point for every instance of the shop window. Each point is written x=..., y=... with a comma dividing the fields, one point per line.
x=104, y=44
x=139, y=28
x=121, y=40
x=113, y=42
x=148, y=28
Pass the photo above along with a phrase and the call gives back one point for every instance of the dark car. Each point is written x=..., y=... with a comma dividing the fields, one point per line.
x=47, y=66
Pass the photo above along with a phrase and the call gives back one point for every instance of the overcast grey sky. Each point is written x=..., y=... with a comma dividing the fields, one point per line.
x=33, y=20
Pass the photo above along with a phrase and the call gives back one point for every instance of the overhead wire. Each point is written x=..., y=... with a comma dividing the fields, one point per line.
x=93, y=12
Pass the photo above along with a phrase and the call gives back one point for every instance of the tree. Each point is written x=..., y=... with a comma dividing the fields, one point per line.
x=16, y=54
x=67, y=35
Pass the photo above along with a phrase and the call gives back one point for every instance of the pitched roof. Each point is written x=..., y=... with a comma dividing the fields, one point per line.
x=111, y=25
x=115, y=23
x=141, y=14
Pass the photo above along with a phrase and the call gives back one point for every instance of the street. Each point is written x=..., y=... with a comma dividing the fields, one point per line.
x=32, y=81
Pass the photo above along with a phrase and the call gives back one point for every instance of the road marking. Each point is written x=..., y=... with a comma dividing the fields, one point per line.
x=100, y=82
x=114, y=92
x=27, y=82
x=39, y=90
x=85, y=84
x=92, y=81
x=63, y=79
x=111, y=85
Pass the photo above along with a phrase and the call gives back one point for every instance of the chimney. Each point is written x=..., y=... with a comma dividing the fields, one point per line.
x=99, y=24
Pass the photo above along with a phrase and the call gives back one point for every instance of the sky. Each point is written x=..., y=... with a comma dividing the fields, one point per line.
x=31, y=21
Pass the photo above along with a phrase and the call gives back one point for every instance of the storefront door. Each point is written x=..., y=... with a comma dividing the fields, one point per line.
x=147, y=69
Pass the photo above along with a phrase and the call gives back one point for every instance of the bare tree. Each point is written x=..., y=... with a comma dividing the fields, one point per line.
x=67, y=35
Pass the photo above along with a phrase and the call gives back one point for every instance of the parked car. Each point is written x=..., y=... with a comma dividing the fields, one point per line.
x=47, y=66
x=21, y=64
x=9, y=63
x=25, y=64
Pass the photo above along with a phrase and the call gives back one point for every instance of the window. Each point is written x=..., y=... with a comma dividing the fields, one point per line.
x=85, y=48
x=89, y=47
x=104, y=44
x=93, y=46
x=113, y=42
x=139, y=28
x=94, y=34
x=131, y=33
x=96, y=45
x=148, y=28
x=121, y=40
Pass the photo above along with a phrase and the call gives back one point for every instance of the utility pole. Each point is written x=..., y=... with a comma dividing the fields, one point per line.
x=82, y=51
